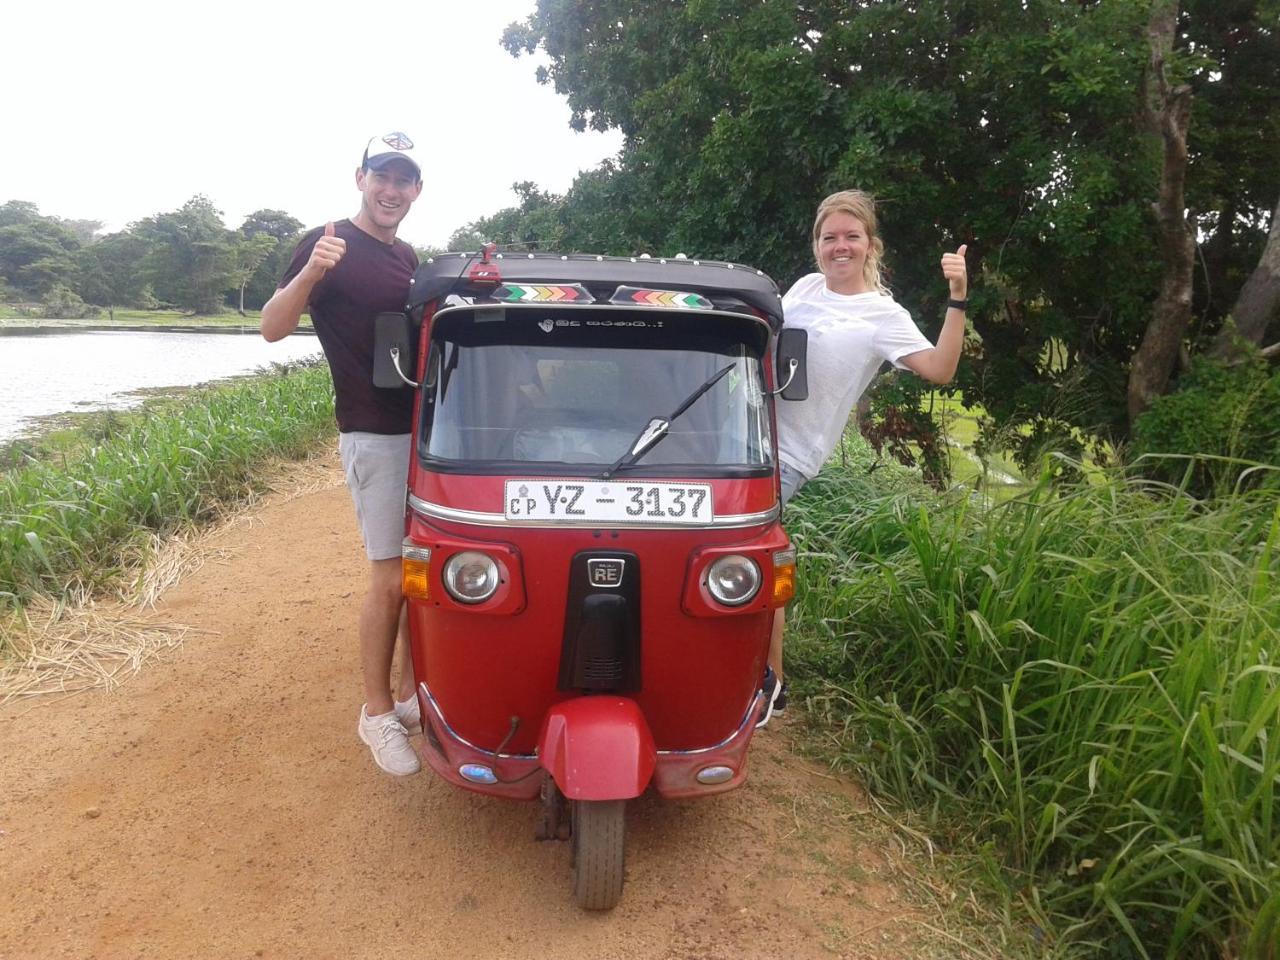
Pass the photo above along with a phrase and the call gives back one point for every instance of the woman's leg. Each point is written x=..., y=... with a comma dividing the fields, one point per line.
x=775, y=642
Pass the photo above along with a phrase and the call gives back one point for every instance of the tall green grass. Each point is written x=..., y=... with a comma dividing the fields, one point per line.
x=65, y=521
x=1086, y=678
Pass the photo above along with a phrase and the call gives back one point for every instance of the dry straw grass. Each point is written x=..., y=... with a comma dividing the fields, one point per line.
x=82, y=642
x=62, y=649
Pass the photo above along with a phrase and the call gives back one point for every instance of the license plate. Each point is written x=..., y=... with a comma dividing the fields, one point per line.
x=608, y=502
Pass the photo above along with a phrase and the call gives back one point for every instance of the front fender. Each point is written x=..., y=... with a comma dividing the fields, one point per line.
x=598, y=748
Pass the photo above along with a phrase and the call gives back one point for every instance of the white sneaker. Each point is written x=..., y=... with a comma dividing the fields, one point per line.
x=389, y=741
x=409, y=714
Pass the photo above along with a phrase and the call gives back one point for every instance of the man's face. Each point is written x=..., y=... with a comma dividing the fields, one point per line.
x=388, y=192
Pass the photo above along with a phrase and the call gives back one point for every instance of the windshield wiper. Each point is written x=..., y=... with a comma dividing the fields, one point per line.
x=657, y=427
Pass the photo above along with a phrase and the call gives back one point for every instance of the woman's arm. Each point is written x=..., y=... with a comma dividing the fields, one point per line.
x=938, y=365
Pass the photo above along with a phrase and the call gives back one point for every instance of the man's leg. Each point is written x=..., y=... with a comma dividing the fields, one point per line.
x=379, y=625
x=380, y=726
x=407, y=687
x=376, y=466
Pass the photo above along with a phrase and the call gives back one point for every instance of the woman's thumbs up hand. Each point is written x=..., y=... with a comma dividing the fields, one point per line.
x=956, y=272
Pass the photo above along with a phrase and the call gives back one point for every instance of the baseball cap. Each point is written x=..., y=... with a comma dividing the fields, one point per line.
x=382, y=150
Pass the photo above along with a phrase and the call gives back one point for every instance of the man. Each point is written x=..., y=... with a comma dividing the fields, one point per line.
x=346, y=273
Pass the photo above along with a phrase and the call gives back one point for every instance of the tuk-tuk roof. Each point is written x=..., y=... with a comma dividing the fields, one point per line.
x=729, y=286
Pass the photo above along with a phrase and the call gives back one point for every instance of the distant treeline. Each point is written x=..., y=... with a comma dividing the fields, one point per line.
x=186, y=259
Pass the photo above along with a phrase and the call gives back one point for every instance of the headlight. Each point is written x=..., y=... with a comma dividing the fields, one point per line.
x=733, y=580
x=471, y=577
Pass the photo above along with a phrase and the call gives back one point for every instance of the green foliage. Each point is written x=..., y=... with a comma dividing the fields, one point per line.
x=1084, y=678
x=63, y=303
x=108, y=270
x=248, y=254
x=36, y=253
x=897, y=422
x=536, y=224
x=65, y=522
x=1014, y=128
x=185, y=258
x=1210, y=436
x=286, y=230
x=190, y=257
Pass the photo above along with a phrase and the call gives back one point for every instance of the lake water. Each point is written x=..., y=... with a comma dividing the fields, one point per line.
x=56, y=370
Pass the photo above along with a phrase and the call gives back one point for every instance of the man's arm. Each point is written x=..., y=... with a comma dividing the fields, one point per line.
x=281, y=313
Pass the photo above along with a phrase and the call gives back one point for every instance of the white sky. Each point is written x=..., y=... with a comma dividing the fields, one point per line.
x=115, y=111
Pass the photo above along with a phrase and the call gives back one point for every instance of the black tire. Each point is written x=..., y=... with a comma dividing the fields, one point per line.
x=599, y=832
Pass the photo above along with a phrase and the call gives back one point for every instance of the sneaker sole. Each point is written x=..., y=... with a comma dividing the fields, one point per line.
x=769, y=708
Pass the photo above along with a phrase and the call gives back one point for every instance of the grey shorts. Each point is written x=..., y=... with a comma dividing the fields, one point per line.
x=792, y=480
x=377, y=468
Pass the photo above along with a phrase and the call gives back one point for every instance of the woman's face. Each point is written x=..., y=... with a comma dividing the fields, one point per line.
x=842, y=252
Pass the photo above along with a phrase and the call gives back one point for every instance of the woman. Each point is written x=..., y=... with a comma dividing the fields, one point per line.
x=854, y=326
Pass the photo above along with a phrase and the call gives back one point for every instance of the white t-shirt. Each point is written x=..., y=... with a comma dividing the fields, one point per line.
x=850, y=336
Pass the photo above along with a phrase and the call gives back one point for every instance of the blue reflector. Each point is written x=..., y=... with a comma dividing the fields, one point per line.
x=477, y=773
x=713, y=775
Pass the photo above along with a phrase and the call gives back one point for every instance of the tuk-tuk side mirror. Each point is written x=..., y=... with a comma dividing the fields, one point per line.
x=393, y=351
x=790, y=369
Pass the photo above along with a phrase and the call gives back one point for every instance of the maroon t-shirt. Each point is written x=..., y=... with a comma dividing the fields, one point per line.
x=372, y=277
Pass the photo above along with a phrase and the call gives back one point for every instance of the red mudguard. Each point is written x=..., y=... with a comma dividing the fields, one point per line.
x=597, y=748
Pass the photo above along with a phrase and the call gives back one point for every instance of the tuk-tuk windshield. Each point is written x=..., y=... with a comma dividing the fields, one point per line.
x=576, y=389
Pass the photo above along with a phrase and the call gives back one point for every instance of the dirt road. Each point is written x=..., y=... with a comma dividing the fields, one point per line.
x=220, y=805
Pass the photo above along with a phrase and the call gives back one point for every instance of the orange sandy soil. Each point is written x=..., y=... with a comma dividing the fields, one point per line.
x=220, y=805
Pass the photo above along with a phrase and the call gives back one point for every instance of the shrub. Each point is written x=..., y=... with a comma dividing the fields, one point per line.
x=63, y=303
x=1222, y=422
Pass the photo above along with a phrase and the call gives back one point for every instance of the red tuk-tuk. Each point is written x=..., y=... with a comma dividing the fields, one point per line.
x=593, y=554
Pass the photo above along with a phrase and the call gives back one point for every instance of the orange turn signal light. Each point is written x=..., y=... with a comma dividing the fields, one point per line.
x=784, y=576
x=415, y=571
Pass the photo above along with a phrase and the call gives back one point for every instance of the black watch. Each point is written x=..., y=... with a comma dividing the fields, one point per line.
x=954, y=304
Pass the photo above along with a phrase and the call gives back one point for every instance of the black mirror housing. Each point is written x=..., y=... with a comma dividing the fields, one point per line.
x=793, y=347
x=393, y=331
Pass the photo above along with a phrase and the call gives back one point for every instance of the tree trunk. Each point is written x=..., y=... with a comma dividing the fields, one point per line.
x=242, y=286
x=1256, y=306
x=1169, y=111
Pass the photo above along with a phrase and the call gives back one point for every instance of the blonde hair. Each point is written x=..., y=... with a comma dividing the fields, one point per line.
x=861, y=206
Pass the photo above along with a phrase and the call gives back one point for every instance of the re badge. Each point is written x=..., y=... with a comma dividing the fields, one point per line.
x=605, y=573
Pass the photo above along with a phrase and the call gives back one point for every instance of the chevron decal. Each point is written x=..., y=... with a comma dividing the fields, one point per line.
x=674, y=299
x=542, y=293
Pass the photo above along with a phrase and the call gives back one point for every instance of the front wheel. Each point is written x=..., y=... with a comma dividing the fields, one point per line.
x=599, y=829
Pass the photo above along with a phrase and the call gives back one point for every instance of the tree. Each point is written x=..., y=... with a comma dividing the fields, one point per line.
x=108, y=272
x=189, y=258
x=285, y=230
x=1168, y=115
x=1015, y=128
x=536, y=224
x=83, y=230
x=1255, y=310
x=37, y=253
x=248, y=254
x=19, y=212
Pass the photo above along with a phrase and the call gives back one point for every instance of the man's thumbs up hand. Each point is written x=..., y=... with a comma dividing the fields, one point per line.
x=329, y=249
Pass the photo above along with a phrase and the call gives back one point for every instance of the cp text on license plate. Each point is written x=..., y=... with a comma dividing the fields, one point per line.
x=608, y=502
